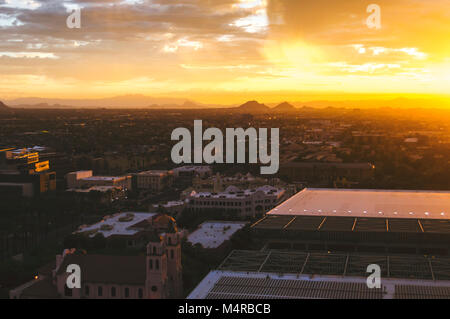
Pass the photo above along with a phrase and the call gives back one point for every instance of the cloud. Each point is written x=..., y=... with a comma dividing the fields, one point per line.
x=29, y=55
x=215, y=42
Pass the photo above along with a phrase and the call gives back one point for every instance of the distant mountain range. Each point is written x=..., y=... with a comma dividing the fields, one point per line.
x=148, y=102
x=255, y=107
x=125, y=101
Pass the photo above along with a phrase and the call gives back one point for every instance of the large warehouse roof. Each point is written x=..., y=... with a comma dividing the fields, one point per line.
x=241, y=285
x=272, y=274
x=367, y=203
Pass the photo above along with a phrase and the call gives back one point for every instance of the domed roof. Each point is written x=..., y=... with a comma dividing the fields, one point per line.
x=164, y=221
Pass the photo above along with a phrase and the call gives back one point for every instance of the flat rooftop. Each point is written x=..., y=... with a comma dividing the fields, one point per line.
x=154, y=173
x=243, y=285
x=367, y=203
x=120, y=224
x=327, y=165
x=235, y=192
x=276, y=274
x=316, y=263
x=192, y=168
x=103, y=178
x=102, y=189
x=214, y=233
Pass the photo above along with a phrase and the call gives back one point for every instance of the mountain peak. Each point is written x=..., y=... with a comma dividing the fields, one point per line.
x=3, y=106
x=284, y=107
x=253, y=106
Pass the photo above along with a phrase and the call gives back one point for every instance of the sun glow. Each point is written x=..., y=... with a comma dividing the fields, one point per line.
x=224, y=52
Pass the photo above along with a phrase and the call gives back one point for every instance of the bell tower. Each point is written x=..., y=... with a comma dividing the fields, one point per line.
x=156, y=265
x=174, y=266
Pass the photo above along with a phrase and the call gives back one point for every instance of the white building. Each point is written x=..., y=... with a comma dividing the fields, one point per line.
x=249, y=202
x=124, y=224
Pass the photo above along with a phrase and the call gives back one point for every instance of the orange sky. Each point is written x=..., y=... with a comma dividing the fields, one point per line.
x=225, y=51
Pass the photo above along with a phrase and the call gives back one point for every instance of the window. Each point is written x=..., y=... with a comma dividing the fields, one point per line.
x=100, y=291
x=127, y=292
x=113, y=291
x=171, y=254
x=86, y=290
x=140, y=293
x=150, y=264
x=154, y=288
x=157, y=264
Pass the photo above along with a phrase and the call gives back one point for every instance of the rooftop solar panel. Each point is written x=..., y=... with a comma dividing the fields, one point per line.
x=370, y=225
x=355, y=264
x=409, y=267
x=404, y=226
x=310, y=223
x=435, y=226
x=338, y=224
x=421, y=292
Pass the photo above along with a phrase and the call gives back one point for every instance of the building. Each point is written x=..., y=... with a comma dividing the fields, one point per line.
x=320, y=242
x=213, y=234
x=192, y=171
x=102, y=194
x=185, y=175
x=173, y=208
x=157, y=275
x=26, y=185
x=368, y=138
x=37, y=158
x=132, y=228
x=326, y=174
x=86, y=179
x=126, y=224
x=242, y=203
x=276, y=274
x=370, y=221
x=218, y=183
x=22, y=174
x=155, y=180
